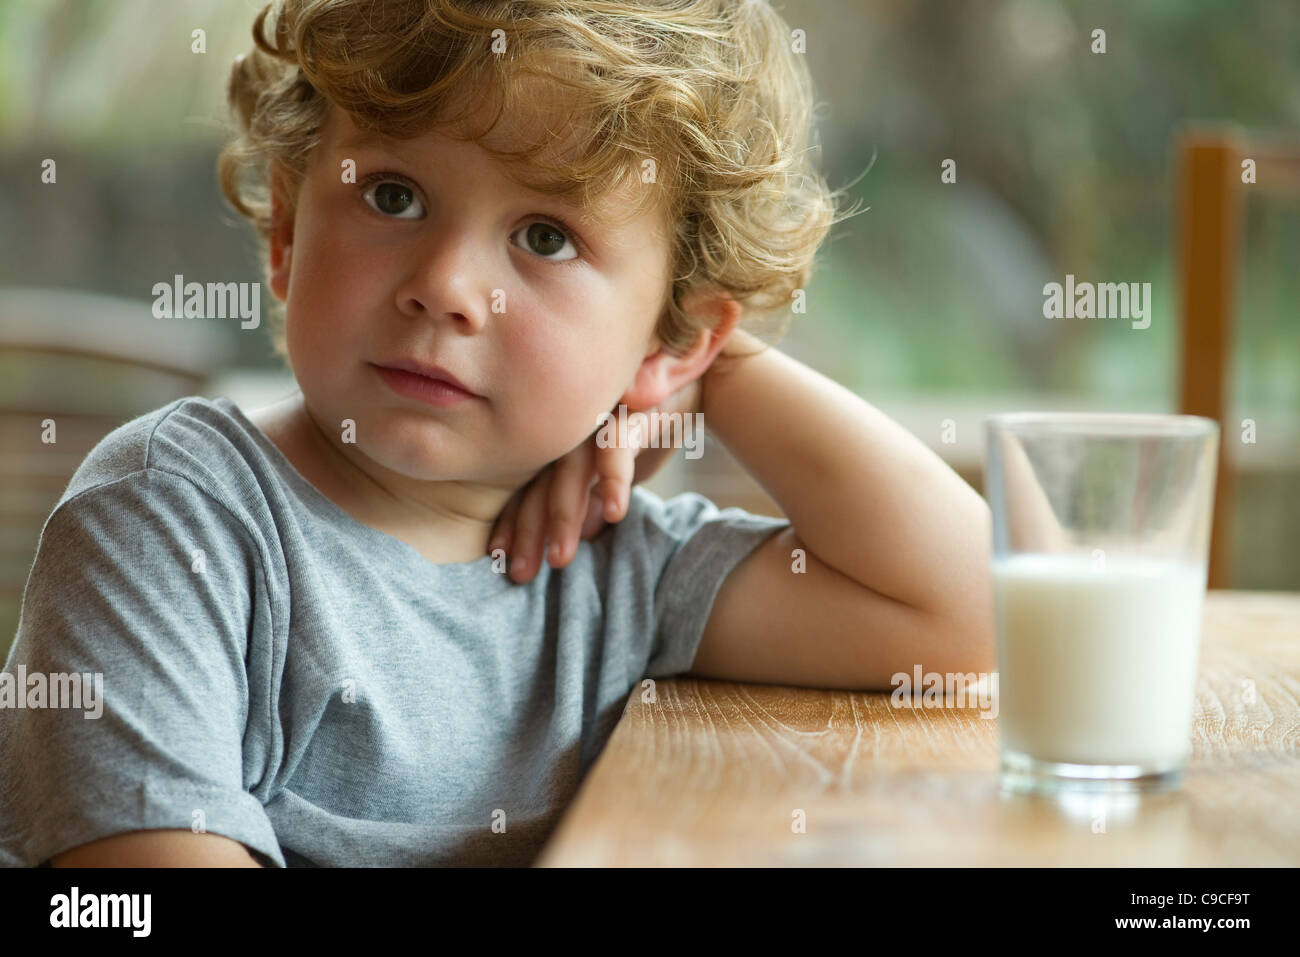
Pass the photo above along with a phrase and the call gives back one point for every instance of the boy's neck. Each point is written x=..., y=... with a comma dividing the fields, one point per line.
x=447, y=522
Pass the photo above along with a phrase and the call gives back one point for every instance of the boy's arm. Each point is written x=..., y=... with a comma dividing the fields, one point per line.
x=896, y=544
x=172, y=847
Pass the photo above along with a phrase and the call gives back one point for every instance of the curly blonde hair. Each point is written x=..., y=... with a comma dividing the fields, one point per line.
x=709, y=96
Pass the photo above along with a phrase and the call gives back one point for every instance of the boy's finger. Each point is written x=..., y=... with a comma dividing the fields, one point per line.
x=568, y=500
x=615, y=466
x=595, y=520
x=530, y=530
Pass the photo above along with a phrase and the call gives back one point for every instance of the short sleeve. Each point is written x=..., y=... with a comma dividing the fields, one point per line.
x=700, y=545
x=143, y=592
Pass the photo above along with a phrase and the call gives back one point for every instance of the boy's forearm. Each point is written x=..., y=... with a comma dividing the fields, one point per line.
x=863, y=494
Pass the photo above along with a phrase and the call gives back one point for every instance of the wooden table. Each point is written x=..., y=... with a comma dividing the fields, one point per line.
x=715, y=773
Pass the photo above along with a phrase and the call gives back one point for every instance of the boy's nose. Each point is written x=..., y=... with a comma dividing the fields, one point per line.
x=447, y=281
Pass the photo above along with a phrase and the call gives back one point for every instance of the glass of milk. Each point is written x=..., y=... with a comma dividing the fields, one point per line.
x=1101, y=529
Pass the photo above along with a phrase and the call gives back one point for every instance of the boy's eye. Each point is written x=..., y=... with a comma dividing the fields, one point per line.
x=393, y=199
x=397, y=199
x=546, y=240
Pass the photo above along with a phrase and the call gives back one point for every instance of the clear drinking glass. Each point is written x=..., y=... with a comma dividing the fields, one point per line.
x=1101, y=529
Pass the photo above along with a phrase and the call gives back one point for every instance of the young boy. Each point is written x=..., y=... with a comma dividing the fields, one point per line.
x=310, y=653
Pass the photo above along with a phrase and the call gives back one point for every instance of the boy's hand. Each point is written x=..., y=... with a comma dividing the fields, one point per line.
x=577, y=494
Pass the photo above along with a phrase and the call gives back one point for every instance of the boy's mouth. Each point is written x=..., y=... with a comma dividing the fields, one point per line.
x=424, y=382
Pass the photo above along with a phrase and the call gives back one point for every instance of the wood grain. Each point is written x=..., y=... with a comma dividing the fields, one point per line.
x=711, y=774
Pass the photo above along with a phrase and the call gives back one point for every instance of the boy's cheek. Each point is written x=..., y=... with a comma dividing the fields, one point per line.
x=539, y=433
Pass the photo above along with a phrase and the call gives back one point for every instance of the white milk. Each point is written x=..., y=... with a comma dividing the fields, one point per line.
x=1097, y=662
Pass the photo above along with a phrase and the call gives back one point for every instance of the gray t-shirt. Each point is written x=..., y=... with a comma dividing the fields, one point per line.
x=280, y=673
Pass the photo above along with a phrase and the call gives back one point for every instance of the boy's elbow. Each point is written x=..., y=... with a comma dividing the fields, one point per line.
x=965, y=635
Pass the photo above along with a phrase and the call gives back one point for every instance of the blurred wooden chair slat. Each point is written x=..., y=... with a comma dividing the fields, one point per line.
x=87, y=363
x=1209, y=214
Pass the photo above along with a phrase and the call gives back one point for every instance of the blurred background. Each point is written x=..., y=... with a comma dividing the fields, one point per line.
x=929, y=305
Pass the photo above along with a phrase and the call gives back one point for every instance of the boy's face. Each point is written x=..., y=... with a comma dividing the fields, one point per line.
x=434, y=254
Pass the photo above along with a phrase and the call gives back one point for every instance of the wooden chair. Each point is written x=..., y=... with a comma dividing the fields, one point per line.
x=1210, y=197
x=89, y=363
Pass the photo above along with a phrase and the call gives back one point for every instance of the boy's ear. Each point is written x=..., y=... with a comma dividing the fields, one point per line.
x=281, y=238
x=662, y=373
